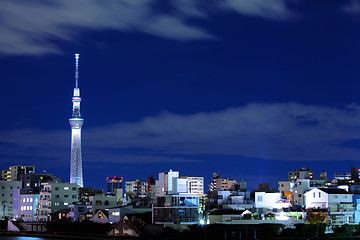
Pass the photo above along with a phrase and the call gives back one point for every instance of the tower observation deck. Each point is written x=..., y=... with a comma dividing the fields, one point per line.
x=76, y=122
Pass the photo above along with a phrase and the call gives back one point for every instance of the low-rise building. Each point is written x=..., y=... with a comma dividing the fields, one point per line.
x=78, y=212
x=337, y=202
x=55, y=196
x=176, y=209
x=100, y=202
x=25, y=206
x=117, y=213
x=270, y=202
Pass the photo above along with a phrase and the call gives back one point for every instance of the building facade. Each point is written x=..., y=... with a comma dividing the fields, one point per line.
x=55, y=197
x=7, y=197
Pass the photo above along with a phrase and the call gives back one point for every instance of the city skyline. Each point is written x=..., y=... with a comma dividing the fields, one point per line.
x=248, y=90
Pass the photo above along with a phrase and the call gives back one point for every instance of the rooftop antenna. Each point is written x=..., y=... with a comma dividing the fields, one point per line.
x=76, y=69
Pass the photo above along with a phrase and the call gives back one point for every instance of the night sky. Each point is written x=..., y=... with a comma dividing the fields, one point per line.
x=247, y=89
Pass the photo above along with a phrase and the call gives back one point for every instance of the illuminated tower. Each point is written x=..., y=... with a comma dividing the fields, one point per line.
x=76, y=122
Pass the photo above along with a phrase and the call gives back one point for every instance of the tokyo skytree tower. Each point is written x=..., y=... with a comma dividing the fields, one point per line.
x=76, y=122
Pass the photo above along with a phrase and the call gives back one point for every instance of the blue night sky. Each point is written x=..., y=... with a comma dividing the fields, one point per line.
x=248, y=89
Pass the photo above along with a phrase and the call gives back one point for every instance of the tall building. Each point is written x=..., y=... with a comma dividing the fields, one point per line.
x=113, y=183
x=136, y=189
x=218, y=183
x=76, y=122
x=14, y=172
x=303, y=173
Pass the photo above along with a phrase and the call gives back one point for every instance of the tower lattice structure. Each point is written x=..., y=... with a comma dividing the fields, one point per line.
x=76, y=122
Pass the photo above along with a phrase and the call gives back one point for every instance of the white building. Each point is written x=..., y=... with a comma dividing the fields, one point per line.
x=338, y=202
x=25, y=206
x=270, y=201
x=55, y=197
x=170, y=183
x=195, y=185
x=7, y=197
x=167, y=183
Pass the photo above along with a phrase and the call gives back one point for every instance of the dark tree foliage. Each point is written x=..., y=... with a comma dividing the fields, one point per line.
x=78, y=227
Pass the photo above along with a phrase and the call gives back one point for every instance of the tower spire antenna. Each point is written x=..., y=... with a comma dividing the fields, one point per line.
x=77, y=70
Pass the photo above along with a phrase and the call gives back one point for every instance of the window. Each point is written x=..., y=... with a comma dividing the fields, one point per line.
x=98, y=202
x=65, y=203
x=66, y=196
x=56, y=188
x=66, y=188
x=73, y=196
x=3, y=187
x=57, y=196
x=31, y=200
x=74, y=188
x=10, y=187
x=260, y=198
x=106, y=202
x=319, y=194
x=314, y=194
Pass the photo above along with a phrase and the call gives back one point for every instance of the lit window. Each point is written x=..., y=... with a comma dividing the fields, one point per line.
x=66, y=188
x=65, y=203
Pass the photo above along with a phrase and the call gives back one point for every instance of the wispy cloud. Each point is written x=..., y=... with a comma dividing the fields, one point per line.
x=288, y=131
x=33, y=27
x=352, y=6
x=277, y=10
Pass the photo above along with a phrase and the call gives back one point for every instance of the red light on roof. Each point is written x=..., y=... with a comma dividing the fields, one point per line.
x=107, y=178
x=114, y=177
